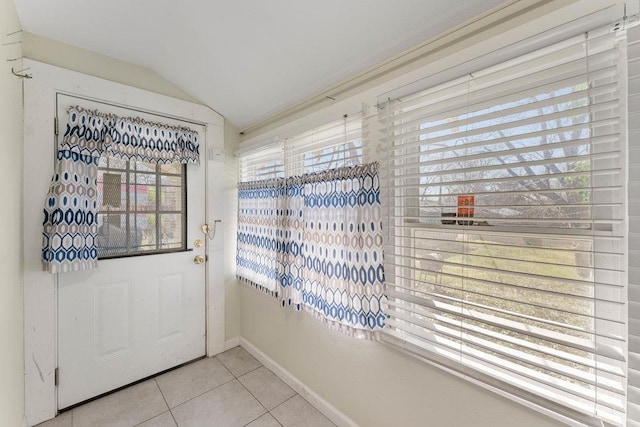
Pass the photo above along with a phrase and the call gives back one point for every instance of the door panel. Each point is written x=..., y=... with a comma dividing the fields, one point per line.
x=132, y=317
x=113, y=326
x=170, y=291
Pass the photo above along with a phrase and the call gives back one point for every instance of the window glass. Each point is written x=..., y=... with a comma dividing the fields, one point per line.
x=142, y=208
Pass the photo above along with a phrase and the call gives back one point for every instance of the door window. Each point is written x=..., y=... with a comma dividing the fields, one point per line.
x=142, y=208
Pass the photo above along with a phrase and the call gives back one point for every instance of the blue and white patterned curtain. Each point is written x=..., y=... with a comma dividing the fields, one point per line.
x=259, y=235
x=270, y=230
x=70, y=212
x=315, y=242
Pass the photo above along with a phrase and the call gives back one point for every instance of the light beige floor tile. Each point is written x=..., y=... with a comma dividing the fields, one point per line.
x=62, y=420
x=163, y=420
x=266, y=420
x=192, y=380
x=238, y=361
x=298, y=412
x=228, y=405
x=127, y=407
x=265, y=386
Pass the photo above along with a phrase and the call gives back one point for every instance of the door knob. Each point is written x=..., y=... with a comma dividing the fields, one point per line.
x=198, y=259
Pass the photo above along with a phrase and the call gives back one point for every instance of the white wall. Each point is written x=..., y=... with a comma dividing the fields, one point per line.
x=371, y=383
x=94, y=64
x=11, y=279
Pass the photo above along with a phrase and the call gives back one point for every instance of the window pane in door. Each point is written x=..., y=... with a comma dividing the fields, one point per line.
x=142, y=208
x=171, y=231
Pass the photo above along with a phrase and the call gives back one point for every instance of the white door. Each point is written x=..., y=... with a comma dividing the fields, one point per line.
x=134, y=316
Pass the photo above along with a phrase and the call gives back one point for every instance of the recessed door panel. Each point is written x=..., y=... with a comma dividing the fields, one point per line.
x=170, y=292
x=113, y=326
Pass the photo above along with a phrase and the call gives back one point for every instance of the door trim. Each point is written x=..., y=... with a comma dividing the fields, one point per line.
x=40, y=306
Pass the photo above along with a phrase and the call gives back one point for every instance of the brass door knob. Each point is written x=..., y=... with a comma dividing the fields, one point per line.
x=198, y=259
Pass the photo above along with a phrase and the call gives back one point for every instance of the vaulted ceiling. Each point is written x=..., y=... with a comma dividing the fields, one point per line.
x=248, y=59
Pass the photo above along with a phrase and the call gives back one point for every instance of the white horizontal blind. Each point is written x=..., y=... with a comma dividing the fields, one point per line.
x=262, y=163
x=528, y=295
x=334, y=145
x=633, y=404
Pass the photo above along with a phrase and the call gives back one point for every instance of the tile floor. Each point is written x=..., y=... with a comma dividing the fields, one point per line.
x=231, y=389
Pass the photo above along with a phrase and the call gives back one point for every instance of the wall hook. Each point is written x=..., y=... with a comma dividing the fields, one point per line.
x=22, y=76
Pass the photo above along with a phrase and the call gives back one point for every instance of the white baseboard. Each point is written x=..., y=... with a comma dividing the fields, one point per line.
x=327, y=409
x=233, y=342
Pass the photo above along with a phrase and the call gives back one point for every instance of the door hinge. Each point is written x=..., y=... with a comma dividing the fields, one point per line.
x=55, y=125
x=56, y=376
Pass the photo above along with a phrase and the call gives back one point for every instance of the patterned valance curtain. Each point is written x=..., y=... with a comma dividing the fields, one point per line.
x=70, y=212
x=315, y=243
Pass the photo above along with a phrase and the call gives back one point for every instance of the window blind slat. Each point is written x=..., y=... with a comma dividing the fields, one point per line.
x=453, y=111
x=262, y=164
x=466, y=100
x=415, y=158
x=400, y=310
x=336, y=144
x=467, y=129
x=505, y=348
x=605, y=298
x=506, y=363
x=561, y=335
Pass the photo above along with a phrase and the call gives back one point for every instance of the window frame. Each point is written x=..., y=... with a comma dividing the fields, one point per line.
x=127, y=212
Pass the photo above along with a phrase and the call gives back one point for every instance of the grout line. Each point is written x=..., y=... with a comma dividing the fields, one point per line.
x=204, y=392
x=225, y=367
x=174, y=418
x=269, y=370
x=256, y=418
x=156, y=415
x=289, y=400
x=277, y=420
x=223, y=364
x=266, y=411
x=165, y=402
x=254, y=369
x=298, y=394
x=162, y=394
x=245, y=373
